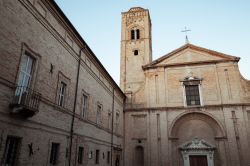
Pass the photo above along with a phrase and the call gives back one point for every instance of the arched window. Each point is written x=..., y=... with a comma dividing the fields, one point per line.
x=132, y=34
x=135, y=52
x=137, y=34
x=139, y=156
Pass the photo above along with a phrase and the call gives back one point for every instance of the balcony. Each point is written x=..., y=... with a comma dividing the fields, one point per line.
x=25, y=102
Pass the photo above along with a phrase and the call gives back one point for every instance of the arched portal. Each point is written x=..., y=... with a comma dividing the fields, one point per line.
x=188, y=126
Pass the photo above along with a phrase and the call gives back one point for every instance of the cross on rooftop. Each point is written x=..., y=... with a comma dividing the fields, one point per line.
x=186, y=31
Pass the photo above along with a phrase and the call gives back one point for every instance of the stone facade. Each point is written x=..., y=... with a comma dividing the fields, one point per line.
x=163, y=113
x=66, y=85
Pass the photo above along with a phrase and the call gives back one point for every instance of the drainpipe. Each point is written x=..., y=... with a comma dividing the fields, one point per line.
x=112, y=127
x=74, y=108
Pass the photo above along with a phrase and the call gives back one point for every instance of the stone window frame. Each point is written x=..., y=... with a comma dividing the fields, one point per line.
x=99, y=113
x=194, y=81
x=65, y=80
x=26, y=50
x=109, y=119
x=117, y=121
x=84, y=93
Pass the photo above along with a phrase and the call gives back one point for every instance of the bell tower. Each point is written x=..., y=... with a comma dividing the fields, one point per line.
x=136, y=48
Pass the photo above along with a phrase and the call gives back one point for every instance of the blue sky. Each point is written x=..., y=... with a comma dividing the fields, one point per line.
x=220, y=25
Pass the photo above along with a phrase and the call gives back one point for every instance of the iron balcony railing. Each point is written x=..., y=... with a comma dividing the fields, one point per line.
x=26, y=99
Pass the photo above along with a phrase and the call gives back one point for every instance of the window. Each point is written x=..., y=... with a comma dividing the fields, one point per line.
x=135, y=52
x=117, y=122
x=80, y=155
x=109, y=120
x=98, y=114
x=108, y=157
x=192, y=95
x=62, y=92
x=25, y=74
x=54, y=152
x=97, y=157
x=11, y=150
x=90, y=154
x=132, y=34
x=84, y=105
x=137, y=34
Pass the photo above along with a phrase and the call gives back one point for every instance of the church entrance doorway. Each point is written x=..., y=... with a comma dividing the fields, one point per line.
x=196, y=160
x=197, y=153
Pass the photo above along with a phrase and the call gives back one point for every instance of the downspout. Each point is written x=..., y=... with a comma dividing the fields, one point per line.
x=74, y=108
x=112, y=127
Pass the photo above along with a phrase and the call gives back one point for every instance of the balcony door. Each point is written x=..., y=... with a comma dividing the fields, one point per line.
x=25, y=74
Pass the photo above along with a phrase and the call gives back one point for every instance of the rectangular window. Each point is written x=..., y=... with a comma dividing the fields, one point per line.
x=80, y=155
x=192, y=95
x=97, y=157
x=137, y=34
x=90, y=155
x=84, y=105
x=62, y=92
x=54, y=153
x=135, y=52
x=109, y=120
x=11, y=150
x=108, y=157
x=117, y=122
x=132, y=34
x=25, y=74
x=98, y=114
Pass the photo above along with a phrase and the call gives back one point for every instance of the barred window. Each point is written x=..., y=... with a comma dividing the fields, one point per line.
x=192, y=95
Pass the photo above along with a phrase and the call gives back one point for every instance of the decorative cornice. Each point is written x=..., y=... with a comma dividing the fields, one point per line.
x=143, y=109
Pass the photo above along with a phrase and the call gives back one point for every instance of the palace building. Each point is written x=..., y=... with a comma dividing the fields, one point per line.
x=58, y=104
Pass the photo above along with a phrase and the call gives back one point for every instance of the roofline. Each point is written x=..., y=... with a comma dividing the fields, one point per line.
x=58, y=9
x=188, y=45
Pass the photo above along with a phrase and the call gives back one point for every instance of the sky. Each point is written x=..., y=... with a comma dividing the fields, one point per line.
x=220, y=25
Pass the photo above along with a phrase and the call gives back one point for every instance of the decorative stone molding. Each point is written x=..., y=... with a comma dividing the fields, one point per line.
x=197, y=147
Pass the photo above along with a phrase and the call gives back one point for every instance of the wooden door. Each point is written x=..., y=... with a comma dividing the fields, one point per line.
x=139, y=156
x=198, y=160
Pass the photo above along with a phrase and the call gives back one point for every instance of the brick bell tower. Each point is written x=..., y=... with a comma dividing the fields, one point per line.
x=136, y=48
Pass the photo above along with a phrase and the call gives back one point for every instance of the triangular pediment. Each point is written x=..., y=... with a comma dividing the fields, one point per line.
x=189, y=54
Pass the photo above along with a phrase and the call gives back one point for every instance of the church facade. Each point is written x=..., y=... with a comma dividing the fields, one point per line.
x=190, y=107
